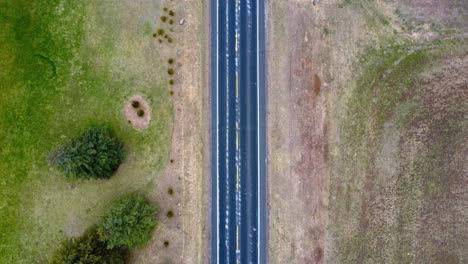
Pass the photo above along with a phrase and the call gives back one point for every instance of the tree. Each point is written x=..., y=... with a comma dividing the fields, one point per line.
x=94, y=154
x=129, y=222
x=87, y=249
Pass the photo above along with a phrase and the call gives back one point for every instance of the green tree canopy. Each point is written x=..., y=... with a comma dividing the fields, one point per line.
x=94, y=154
x=87, y=249
x=129, y=222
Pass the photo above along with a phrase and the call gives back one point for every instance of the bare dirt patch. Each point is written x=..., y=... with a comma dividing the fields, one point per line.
x=138, y=112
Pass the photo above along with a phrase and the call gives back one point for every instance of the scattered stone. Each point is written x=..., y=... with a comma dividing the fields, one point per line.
x=181, y=22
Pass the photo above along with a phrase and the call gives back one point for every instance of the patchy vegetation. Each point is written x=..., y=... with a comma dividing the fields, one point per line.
x=392, y=172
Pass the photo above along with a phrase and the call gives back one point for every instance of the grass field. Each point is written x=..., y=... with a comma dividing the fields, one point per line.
x=64, y=66
x=395, y=194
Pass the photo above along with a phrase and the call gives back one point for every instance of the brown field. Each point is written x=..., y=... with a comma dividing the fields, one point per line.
x=367, y=131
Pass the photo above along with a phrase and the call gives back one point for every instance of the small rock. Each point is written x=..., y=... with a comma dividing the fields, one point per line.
x=181, y=22
x=178, y=204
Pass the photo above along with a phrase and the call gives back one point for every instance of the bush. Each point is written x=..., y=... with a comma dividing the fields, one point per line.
x=128, y=223
x=135, y=104
x=87, y=249
x=94, y=154
x=140, y=112
x=169, y=214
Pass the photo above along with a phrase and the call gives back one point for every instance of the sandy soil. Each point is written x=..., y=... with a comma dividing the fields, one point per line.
x=185, y=174
x=312, y=52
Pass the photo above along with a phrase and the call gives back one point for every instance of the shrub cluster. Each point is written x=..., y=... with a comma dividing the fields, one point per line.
x=87, y=249
x=128, y=223
x=94, y=154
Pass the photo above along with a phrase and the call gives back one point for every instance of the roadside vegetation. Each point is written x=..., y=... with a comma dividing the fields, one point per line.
x=128, y=223
x=67, y=67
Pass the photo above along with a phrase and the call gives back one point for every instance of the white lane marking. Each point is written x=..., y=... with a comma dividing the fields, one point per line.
x=258, y=138
x=217, y=134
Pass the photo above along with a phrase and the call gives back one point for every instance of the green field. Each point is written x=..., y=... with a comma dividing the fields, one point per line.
x=65, y=66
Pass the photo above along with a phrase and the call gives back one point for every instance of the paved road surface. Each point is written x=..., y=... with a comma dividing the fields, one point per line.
x=239, y=226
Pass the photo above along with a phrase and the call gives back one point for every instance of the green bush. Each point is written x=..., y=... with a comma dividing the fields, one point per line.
x=87, y=249
x=140, y=112
x=128, y=223
x=135, y=104
x=94, y=154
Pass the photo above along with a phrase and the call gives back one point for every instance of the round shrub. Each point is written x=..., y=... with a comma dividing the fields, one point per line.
x=171, y=82
x=128, y=223
x=135, y=104
x=170, y=61
x=169, y=214
x=163, y=18
x=160, y=31
x=170, y=191
x=96, y=153
x=87, y=249
x=140, y=112
x=171, y=13
x=170, y=71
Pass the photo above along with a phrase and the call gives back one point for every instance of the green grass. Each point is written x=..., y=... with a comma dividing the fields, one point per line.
x=63, y=68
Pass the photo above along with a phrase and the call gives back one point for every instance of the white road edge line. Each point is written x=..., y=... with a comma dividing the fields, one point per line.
x=258, y=139
x=217, y=129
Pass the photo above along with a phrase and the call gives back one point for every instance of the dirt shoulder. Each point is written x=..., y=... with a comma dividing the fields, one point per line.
x=185, y=174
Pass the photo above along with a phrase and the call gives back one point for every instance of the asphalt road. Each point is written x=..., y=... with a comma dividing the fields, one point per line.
x=238, y=112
